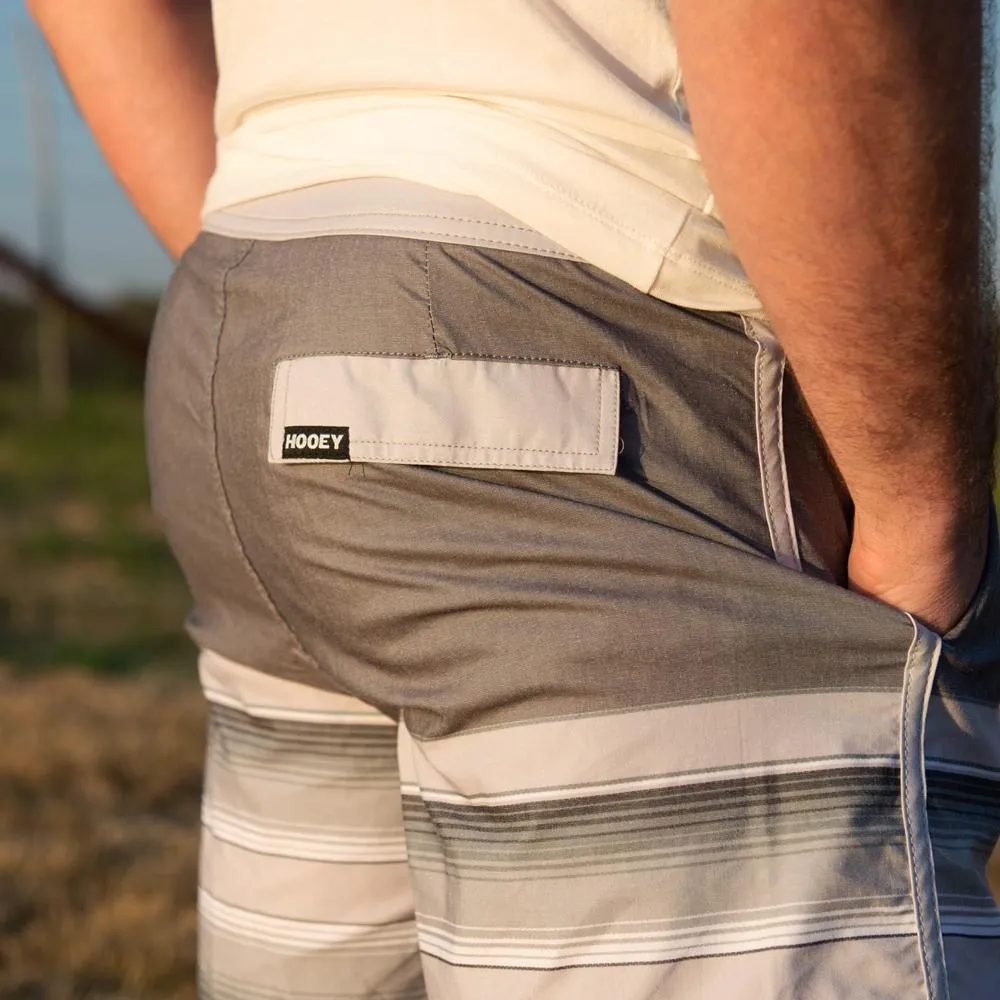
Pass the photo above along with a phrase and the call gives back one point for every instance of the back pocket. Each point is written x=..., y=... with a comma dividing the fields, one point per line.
x=472, y=412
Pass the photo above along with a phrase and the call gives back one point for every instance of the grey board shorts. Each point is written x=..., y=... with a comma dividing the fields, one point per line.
x=530, y=665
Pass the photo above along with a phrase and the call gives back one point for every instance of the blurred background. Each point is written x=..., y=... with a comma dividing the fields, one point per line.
x=100, y=717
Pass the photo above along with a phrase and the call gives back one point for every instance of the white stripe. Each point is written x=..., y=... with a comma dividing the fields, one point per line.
x=696, y=944
x=660, y=781
x=277, y=714
x=692, y=738
x=899, y=905
x=610, y=933
x=307, y=935
x=337, y=845
x=611, y=942
x=261, y=695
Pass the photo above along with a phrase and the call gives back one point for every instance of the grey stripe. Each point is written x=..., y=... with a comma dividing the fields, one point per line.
x=316, y=771
x=666, y=829
x=357, y=739
x=227, y=963
x=344, y=756
x=733, y=796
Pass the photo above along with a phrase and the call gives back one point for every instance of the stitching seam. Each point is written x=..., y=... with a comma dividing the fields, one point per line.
x=459, y=356
x=430, y=305
x=456, y=464
x=400, y=214
x=915, y=825
x=217, y=468
x=774, y=481
x=469, y=447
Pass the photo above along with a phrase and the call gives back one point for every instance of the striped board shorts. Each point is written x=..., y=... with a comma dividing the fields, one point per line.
x=531, y=668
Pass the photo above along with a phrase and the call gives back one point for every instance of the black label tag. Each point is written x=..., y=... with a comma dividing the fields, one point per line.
x=330, y=443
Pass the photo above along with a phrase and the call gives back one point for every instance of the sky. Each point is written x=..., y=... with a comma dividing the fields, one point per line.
x=107, y=249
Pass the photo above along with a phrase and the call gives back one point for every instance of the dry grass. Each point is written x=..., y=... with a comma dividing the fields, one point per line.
x=99, y=803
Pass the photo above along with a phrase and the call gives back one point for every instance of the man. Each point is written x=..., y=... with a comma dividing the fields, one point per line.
x=467, y=406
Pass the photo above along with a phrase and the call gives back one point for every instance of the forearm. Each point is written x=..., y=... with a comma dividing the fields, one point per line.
x=842, y=141
x=143, y=74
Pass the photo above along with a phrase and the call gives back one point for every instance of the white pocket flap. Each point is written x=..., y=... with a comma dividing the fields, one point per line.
x=473, y=412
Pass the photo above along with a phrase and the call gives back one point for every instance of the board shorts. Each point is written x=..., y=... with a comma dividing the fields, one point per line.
x=530, y=664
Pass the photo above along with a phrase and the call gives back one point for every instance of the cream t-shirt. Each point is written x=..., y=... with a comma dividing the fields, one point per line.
x=568, y=115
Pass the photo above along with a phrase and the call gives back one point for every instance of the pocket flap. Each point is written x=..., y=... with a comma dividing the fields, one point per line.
x=472, y=412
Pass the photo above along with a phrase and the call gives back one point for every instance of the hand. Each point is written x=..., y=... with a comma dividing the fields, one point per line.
x=932, y=573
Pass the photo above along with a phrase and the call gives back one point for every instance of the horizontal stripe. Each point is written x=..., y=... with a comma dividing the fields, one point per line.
x=737, y=791
x=301, y=889
x=343, y=845
x=652, y=931
x=956, y=783
x=710, y=802
x=654, y=781
x=644, y=865
x=263, y=696
x=315, y=717
x=302, y=804
x=696, y=945
x=254, y=733
x=693, y=738
x=808, y=823
x=838, y=906
x=670, y=828
x=282, y=932
x=983, y=925
x=226, y=962
x=656, y=845
x=304, y=753
x=315, y=773
x=212, y=985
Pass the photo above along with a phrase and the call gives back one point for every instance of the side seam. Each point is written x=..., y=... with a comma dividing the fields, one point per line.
x=226, y=507
x=918, y=682
x=768, y=385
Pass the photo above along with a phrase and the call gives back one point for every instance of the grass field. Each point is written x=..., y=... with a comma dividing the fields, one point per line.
x=99, y=786
x=100, y=771
x=85, y=578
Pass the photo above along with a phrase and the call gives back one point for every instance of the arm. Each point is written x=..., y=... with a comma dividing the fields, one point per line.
x=842, y=141
x=143, y=73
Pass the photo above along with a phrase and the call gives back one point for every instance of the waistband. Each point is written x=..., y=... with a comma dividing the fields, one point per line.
x=381, y=206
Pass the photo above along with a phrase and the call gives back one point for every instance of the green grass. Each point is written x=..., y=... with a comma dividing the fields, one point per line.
x=85, y=577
